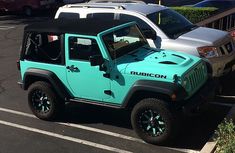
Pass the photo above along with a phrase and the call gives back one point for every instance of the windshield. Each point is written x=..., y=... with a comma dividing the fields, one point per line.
x=124, y=41
x=171, y=23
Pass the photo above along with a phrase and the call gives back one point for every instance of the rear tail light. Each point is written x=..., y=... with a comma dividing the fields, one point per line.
x=52, y=38
x=18, y=64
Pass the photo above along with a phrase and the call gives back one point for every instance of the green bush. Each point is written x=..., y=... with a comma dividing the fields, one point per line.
x=195, y=14
x=225, y=137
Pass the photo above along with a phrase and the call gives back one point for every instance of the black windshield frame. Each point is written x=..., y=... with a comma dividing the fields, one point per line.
x=116, y=52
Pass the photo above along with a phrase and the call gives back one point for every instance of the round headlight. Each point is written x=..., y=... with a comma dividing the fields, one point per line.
x=186, y=84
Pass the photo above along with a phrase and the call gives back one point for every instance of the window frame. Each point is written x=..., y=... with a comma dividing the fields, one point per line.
x=25, y=42
x=76, y=36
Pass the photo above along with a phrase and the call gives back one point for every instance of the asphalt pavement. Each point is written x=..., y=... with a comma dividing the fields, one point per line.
x=83, y=128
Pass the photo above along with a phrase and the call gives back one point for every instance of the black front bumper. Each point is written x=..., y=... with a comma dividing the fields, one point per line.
x=205, y=94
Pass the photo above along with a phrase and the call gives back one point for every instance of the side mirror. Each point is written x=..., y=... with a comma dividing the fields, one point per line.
x=96, y=60
x=150, y=34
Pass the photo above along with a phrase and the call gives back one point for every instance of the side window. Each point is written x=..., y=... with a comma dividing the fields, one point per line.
x=142, y=24
x=82, y=48
x=103, y=16
x=40, y=48
x=69, y=15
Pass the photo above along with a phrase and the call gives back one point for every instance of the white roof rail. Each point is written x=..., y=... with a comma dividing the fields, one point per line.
x=87, y=5
x=117, y=1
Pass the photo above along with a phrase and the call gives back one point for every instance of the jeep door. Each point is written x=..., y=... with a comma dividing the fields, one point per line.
x=85, y=81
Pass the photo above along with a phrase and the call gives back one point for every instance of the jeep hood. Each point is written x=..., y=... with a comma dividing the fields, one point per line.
x=205, y=36
x=156, y=62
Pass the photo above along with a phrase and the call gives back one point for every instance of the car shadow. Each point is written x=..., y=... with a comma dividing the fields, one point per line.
x=194, y=132
x=89, y=114
x=228, y=84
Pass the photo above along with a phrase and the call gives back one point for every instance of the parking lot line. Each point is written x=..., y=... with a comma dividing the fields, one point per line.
x=232, y=97
x=17, y=112
x=6, y=27
x=102, y=131
x=183, y=150
x=80, y=141
x=78, y=126
x=93, y=130
x=222, y=104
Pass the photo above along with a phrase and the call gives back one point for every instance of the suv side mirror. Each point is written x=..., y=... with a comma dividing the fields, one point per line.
x=96, y=60
x=150, y=34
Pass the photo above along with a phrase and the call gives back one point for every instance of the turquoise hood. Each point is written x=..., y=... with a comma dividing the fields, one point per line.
x=154, y=63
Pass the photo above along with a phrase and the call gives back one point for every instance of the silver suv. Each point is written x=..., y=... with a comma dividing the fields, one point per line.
x=172, y=30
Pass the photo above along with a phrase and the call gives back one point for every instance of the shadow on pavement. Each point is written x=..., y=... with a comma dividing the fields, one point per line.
x=193, y=134
x=228, y=83
x=85, y=114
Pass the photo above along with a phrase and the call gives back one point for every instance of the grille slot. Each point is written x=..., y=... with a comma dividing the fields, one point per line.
x=196, y=76
x=226, y=48
x=229, y=47
x=222, y=50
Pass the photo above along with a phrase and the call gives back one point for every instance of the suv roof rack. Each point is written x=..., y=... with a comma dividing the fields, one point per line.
x=87, y=5
x=117, y=1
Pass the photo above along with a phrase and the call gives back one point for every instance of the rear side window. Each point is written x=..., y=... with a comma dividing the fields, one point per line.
x=69, y=15
x=43, y=47
x=103, y=16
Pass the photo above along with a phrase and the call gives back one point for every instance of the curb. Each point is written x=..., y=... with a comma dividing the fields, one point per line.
x=209, y=147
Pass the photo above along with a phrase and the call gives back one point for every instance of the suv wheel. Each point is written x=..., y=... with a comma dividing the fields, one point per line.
x=153, y=121
x=43, y=101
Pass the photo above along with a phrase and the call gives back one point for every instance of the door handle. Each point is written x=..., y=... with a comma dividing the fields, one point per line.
x=72, y=68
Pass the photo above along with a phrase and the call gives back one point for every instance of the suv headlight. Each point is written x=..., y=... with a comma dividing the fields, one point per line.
x=186, y=84
x=208, y=51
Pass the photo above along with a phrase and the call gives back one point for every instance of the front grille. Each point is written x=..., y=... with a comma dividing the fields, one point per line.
x=197, y=76
x=226, y=48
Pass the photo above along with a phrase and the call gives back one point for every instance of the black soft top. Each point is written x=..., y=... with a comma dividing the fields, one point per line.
x=78, y=26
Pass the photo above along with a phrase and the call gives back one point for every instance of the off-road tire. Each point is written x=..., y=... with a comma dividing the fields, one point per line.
x=43, y=101
x=161, y=111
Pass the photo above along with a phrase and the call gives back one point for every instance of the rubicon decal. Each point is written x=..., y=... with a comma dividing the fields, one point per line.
x=149, y=74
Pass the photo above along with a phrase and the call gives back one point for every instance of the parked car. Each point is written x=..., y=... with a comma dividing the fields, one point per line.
x=109, y=63
x=27, y=6
x=172, y=30
x=220, y=4
x=2, y=6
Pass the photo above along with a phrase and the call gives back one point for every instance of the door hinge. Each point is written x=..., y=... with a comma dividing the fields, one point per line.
x=108, y=92
x=106, y=75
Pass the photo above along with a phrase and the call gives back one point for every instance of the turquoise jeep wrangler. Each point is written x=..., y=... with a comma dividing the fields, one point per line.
x=112, y=65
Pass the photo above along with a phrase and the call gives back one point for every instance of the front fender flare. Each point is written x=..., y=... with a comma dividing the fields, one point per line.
x=165, y=88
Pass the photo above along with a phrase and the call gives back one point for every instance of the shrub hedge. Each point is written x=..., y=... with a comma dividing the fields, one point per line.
x=225, y=137
x=195, y=14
